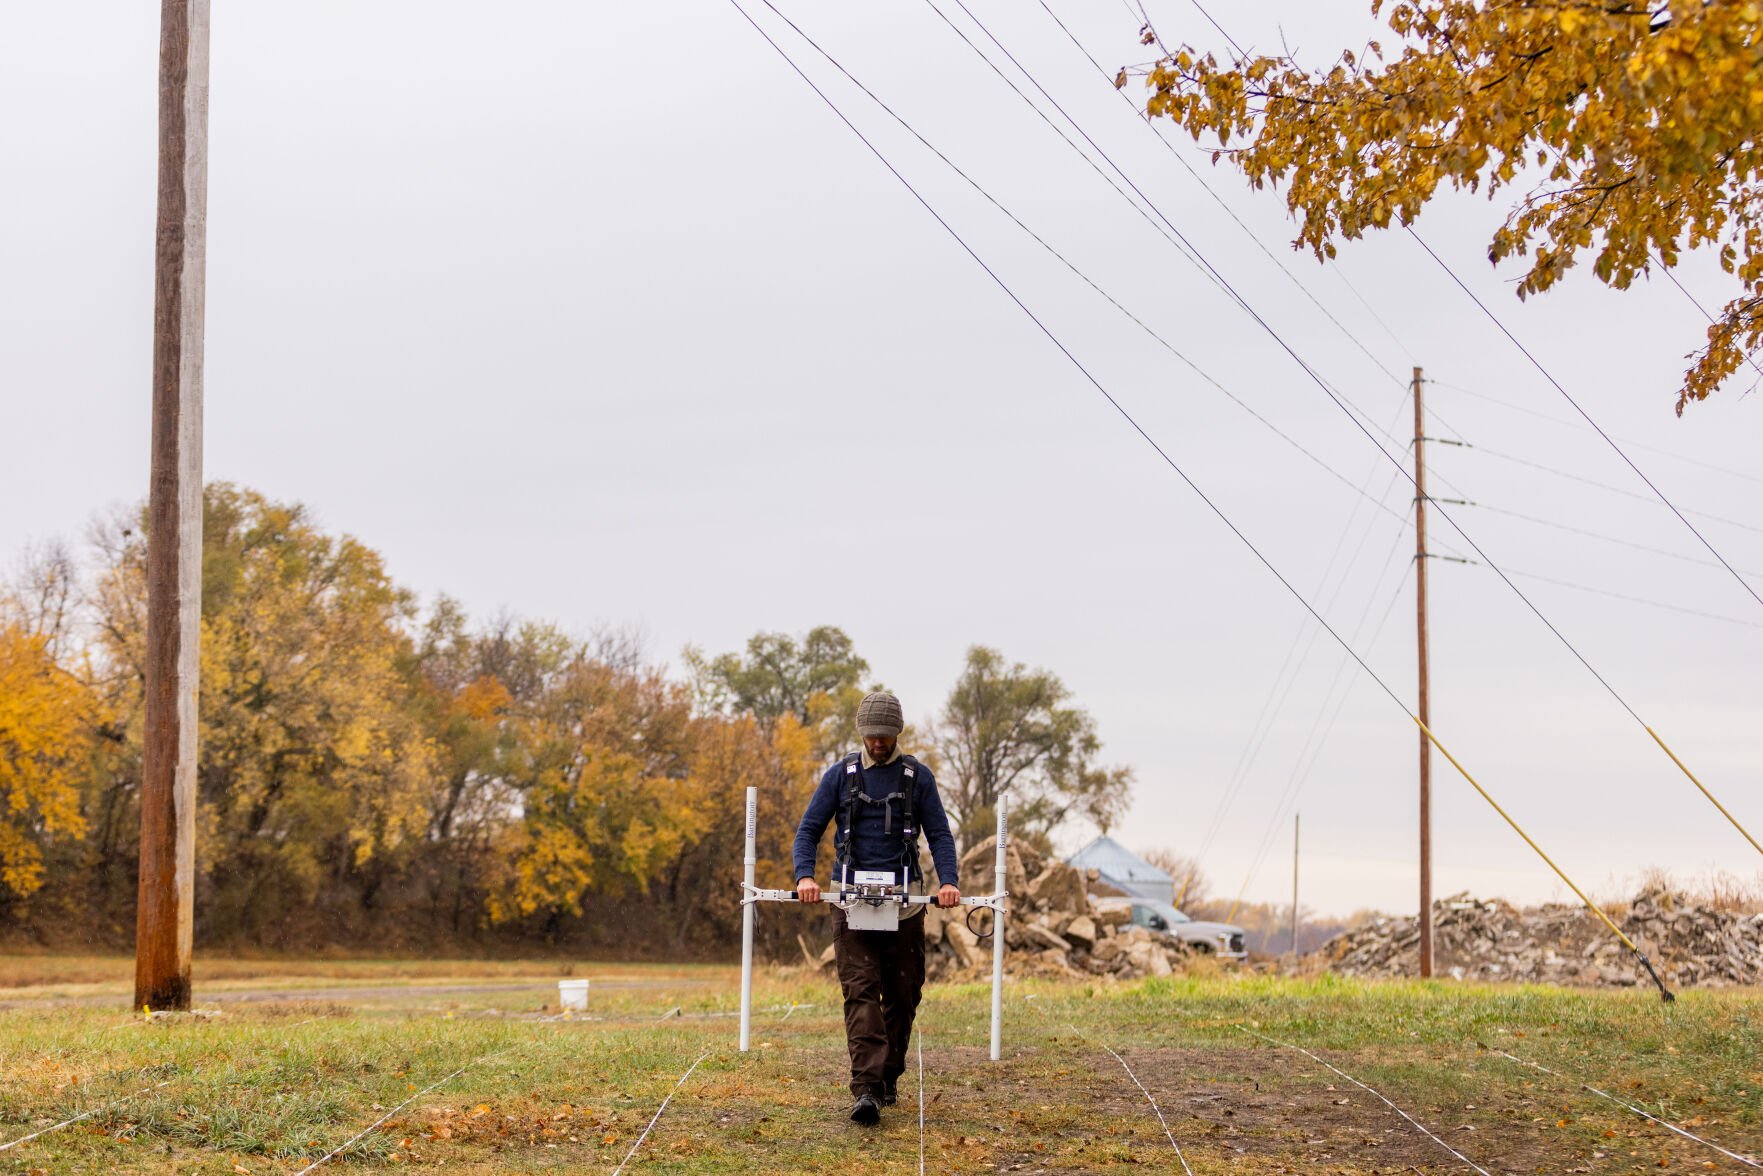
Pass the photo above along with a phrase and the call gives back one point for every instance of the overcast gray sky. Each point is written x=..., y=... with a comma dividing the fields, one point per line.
x=594, y=312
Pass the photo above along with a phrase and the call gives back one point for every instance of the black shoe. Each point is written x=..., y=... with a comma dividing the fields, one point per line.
x=867, y=1111
x=890, y=1095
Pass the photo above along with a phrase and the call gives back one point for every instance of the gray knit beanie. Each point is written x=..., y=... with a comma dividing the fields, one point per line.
x=879, y=714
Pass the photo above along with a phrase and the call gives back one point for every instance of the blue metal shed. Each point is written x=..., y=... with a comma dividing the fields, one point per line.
x=1124, y=870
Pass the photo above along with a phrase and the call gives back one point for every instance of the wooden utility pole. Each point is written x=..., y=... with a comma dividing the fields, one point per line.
x=1425, y=686
x=1294, y=888
x=163, y=927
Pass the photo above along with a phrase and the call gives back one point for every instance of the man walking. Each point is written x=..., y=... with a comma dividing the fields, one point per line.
x=879, y=799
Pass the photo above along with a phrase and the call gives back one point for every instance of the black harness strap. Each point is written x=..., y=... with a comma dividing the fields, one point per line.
x=907, y=795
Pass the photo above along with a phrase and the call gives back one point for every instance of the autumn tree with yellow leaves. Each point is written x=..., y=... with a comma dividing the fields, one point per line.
x=313, y=770
x=1616, y=131
x=46, y=733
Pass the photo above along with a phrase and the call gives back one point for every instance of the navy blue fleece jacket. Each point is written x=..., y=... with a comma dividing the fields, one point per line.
x=875, y=848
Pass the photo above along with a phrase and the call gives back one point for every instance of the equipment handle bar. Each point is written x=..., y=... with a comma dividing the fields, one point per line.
x=847, y=899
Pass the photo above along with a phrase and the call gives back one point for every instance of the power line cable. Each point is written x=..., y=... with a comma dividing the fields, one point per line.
x=1341, y=403
x=1582, y=427
x=1280, y=687
x=1161, y=230
x=1280, y=691
x=1302, y=767
x=1191, y=252
x=1335, y=268
x=1677, y=555
x=1070, y=265
x=1597, y=428
x=1677, y=608
x=1220, y=201
x=1595, y=484
x=1176, y=468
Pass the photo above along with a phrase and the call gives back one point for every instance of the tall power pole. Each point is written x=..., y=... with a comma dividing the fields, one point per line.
x=1425, y=685
x=163, y=919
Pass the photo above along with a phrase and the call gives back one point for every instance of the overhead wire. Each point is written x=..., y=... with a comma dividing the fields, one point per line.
x=1190, y=251
x=1221, y=202
x=1281, y=687
x=1341, y=403
x=1305, y=762
x=1162, y=230
x=1260, y=732
x=1590, y=534
x=1245, y=759
x=1242, y=55
x=1543, y=467
x=1155, y=335
x=1335, y=268
x=1581, y=426
x=1180, y=472
x=1613, y=594
x=1682, y=517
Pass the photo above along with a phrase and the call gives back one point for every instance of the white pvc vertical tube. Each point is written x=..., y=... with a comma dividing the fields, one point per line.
x=1003, y=881
x=749, y=863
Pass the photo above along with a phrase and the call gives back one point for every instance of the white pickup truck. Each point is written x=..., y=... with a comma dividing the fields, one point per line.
x=1219, y=939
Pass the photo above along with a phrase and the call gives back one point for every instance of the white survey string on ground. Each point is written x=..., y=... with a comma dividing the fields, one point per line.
x=1748, y=1161
x=1149, y=1098
x=1170, y=1135
x=23, y=1139
x=431, y=1087
x=657, y=1115
x=1418, y=1125
x=919, y=1040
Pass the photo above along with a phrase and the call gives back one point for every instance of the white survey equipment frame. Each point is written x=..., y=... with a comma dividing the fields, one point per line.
x=871, y=903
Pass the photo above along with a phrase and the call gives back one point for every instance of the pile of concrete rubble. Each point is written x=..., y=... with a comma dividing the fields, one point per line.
x=1692, y=945
x=1054, y=928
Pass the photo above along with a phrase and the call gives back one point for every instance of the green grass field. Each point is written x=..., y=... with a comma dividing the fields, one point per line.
x=272, y=1085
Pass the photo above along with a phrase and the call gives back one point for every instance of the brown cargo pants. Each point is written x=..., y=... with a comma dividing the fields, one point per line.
x=882, y=976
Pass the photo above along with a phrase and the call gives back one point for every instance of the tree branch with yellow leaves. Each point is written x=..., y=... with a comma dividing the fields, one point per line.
x=1659, y=119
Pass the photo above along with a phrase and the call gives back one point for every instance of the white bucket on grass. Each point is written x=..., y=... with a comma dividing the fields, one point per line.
x=573, y=994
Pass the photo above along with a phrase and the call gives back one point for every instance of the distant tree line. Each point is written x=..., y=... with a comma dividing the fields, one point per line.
x=375, y=773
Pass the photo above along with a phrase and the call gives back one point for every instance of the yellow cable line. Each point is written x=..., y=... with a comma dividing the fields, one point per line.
x=1464, y=772
x=1685, y=769
x=1239, y=902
